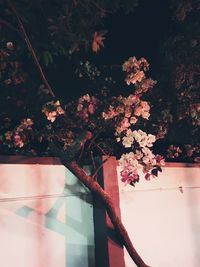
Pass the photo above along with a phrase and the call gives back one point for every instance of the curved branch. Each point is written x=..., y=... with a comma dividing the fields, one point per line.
x=110, y=208
x=95, y=188
x=30, y=47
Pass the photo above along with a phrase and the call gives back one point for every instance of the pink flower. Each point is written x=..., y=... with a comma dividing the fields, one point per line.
x=26, y=123
x=51, y=116
x=8, y=135
x=125, y=123
x=138, y=111
x=79, y=107
x=128, y=176
x=160, y=160
x=60, y=111
x=133, y=120
x=91, y=108
x=18, y=141
x=10, y=45
x=147, y=176
x=136, y=77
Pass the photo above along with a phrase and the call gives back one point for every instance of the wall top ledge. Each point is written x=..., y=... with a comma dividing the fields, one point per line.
x=55, y=161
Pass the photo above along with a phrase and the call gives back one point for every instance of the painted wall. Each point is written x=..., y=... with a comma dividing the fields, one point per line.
x=163, y=217
x=46, y=217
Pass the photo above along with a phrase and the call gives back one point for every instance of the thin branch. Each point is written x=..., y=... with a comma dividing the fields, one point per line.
x=94, y=138
x=104, y=11
x=30, y=47
x=10, y=26
x=101, y=149
x=94, y=165
x=100, y=166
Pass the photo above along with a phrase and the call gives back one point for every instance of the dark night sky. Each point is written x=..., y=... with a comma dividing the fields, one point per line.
x=139, y=34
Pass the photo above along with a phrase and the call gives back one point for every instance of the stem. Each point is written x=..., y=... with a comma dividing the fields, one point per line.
x=94, y=138
x=101, y=165
x=101, y=149
x=2, y=21
x=107, y=201
x=30, y=47
x=93, y=165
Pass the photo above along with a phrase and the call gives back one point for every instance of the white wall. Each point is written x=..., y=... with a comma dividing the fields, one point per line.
x=164, y=221
x=46, y=218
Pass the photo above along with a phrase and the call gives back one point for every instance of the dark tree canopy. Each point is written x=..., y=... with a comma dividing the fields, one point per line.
x=66, y=36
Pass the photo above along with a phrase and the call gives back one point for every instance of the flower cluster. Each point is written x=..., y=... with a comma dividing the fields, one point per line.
x=135, y=70
x=138, y=136
x=114, y=122
x=141, y=161
x=173, y=151
x=145, y=85
x=86, y=106
x=195, y=114
x=126, y=111
x=52, y=110
x=19, y=135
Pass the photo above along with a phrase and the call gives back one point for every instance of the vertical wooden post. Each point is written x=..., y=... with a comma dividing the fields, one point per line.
x=115, y=248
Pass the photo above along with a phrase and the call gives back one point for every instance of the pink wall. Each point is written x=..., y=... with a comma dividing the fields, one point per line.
x=25, y=241
x=43, y=221
x=163, y=217
x=39, y=229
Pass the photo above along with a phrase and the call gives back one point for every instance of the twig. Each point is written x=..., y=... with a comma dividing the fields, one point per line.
x=104, y=11
x=93, y=163
x=95, y=137
x=2, y=21
x=100, y=166
x=101, y=149
x=30, y=47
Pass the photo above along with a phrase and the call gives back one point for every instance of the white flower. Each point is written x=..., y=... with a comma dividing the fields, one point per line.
x=51, y=116
x=86, y=97
x=133, y=120
x=118, y=139
x=150, y=139
x=9, y=45
x=138, y=154
x=79, y=107
x=127, y=141
x=147, y=152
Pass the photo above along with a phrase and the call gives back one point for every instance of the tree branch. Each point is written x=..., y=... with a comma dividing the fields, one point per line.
x=107, y=201
x=96, y=189
x=30, y=47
